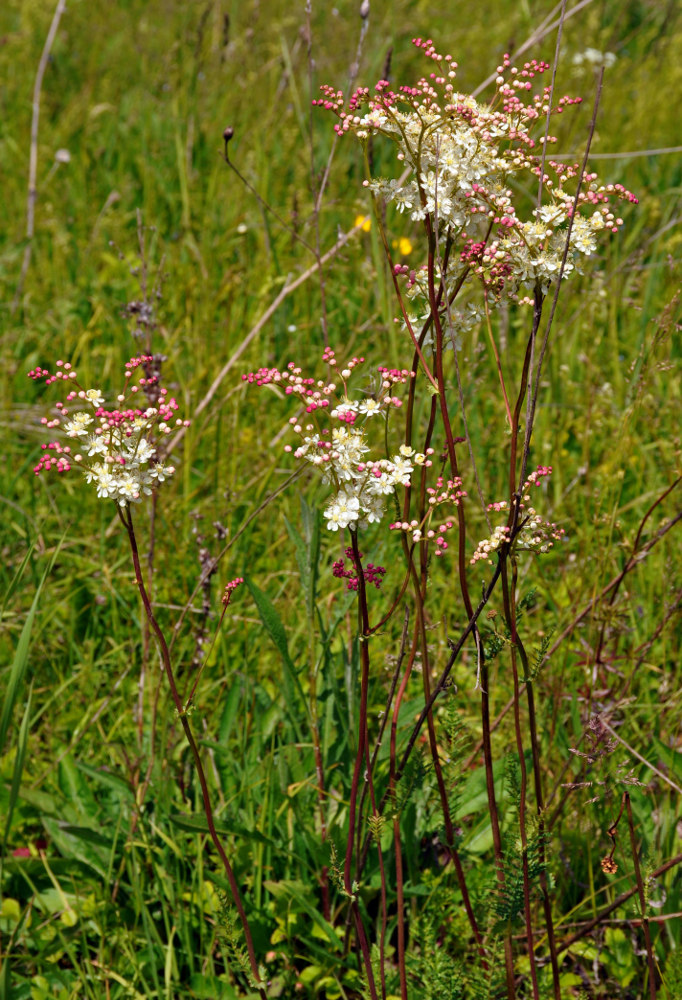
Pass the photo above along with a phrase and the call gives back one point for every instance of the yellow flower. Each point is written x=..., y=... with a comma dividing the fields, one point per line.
x=404, y=246
x=366, y=225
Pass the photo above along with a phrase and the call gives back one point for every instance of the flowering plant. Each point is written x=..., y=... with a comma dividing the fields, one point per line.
x=484, y=246
x=360, y=484
x=118, y=448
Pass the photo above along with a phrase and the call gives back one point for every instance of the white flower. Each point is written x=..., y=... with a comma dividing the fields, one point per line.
x=94, y=396
x=144, y=451
x=97, y=444
x=370, y=406
x=128, y=489
x=106, y=483
x=381, y=485
x=373, y=510
x=161, y=472
x=77, y=426
x=342, y=512
x=402, y=470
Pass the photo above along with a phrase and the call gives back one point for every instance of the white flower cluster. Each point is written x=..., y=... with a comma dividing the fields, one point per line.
x=116, y=447
x=460, y=178
x=124, y=466
x=360, y=484
x=363, y=486
x=463, y=158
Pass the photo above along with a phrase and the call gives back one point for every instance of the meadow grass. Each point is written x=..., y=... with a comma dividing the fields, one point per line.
x=121, y=894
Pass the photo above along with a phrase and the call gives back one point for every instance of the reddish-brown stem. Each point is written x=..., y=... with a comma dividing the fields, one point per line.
x=445, y=416
x=623, y=898
x=509, y=601
x=537, y=777
x=382, y=876
x=456, y=649
x=494, y=818
x=420, y=630
x=126, y=517
x=363, y=621
x=533, y=395
x=390, y=795
x=514, y=507
x=401, y=303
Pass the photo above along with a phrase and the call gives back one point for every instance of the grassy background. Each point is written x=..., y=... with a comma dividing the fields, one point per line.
x=139, y=94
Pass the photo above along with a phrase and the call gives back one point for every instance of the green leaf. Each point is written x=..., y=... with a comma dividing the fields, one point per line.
x=76, y=790
x=107, y=778
x=72, y=843
x=272, y=621
x=16, y=775
x=20, y=661
x=295, y=891
x=275, y=629
x=198, y=824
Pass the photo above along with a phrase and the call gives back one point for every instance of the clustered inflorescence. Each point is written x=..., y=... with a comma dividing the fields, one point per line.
x=448, y=493
x=360, y=483
x=462, y=159
x=372, y=574
x=534, y=533
x=116, y=448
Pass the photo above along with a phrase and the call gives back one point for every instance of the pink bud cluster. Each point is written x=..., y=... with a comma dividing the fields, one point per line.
x=55, y=458
x=372, y=574
x=534, y=533
x=424, y=530
x=64, y=371
x=230, y=589
x=394, y=376
x=116, y=447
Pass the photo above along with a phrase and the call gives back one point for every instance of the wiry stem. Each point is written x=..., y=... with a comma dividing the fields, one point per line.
x=127, y=520
x=509, y=600
x=33, y=156
x=360, y=757
x=642, y=899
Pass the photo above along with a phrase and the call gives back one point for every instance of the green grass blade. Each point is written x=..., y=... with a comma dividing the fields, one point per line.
x=16, y=775
x=20, y=661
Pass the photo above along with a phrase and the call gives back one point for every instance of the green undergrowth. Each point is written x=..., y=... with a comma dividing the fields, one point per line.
x=109, y=884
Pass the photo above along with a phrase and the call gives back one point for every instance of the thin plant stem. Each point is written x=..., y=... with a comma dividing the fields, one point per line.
x=614, y=905
x=33, y=152
x=533, y=395
x=642, y=898
x=363, y=621
x=456, y=648
x=391, y=793
x=400, y=903
x=509, y=601
x=537, y=777
x=382, y=876
x=127, y=520
x=496, y=354
x=420, y=630
x=447, y=427
x=494, y=817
